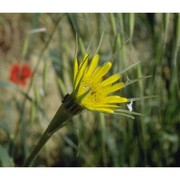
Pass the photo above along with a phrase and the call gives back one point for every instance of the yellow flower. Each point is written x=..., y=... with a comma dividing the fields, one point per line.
x=91, y=90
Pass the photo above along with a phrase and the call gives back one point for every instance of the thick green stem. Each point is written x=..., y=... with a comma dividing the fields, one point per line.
x=57, y=122
x=65, y=112
x=36, y=149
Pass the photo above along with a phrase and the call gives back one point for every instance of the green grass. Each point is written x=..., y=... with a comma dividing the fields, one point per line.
x=93, y=139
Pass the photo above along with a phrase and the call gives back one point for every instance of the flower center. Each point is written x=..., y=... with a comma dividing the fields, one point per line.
x=20, y=75
x=95, y=95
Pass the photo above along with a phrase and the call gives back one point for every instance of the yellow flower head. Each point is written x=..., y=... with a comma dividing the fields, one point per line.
x=91, y=90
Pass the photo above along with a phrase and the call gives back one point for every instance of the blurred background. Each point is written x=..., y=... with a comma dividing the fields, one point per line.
x=47, y=43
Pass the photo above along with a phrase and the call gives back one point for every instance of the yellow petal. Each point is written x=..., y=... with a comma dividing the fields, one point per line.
x=104, y=70
x=115, y=99
x=81, y=71
x=107, y=110
x=97, y=71
x=106, y=67
x=75, y=68
x=111, y=80
x=107, y=106
x=85, y=58
x=93, y=65
x=113, y=88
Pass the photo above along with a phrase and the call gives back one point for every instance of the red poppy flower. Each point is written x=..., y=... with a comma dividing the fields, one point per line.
x=20, y=73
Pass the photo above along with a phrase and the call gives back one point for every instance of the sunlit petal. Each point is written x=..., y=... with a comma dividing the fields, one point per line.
x=111, y=80
x=113, y=88
x=75, y=68
x=114, y=99
x=81, y=71
x=93, y=65
x=104, y=70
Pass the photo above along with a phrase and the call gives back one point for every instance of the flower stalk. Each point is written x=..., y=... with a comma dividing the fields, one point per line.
x=66, y=111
